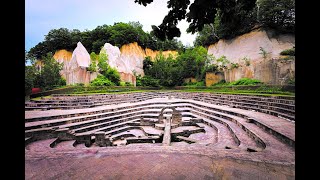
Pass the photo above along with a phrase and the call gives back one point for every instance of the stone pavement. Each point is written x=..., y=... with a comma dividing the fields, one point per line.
x=94, y=165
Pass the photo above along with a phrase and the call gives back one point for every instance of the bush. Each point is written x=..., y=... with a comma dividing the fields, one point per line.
x=138, y=80
x=113, y=75
x=220, y=83
x=149, y=81
x=288, y=52
x=122, y=83
x=196, y=84
x=128, y=84
x=101, y=81
x=246, y=81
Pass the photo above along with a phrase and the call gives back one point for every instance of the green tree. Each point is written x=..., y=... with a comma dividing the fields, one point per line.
x=206, y=36
x=103, y=62
x=113, y=75
x=201, y=12
x=93, y=64
x=49, y=77
x=29, y=78
x=278, y=14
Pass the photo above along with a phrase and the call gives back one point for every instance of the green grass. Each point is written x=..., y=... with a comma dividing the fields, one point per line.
x=245, y=92
x=223, y=89
x=39, y=98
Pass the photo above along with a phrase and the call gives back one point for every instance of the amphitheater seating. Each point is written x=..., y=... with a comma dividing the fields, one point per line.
x=233, y=123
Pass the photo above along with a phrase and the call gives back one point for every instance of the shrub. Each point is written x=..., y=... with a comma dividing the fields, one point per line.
x=288, y=52
x=138, y=80
x=246, y=61
x=200, y=83
x=113, y=75
x=246, y=81
x=220, y=83
x=128, y=84
x=149, y=81
x=122, y=83
x=101, y=81
x=234, y=65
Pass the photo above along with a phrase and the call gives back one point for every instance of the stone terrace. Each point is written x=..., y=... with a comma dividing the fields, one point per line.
x=283, y=107
x=255, y=134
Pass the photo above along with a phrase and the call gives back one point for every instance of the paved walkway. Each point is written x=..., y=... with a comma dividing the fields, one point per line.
x=93, y=164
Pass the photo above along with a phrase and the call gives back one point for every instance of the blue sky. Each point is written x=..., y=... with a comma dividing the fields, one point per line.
x=43, y=15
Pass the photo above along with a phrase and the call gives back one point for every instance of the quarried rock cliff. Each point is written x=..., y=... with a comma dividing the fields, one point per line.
x=258, y=55
x=75, y=66
x=128, y=60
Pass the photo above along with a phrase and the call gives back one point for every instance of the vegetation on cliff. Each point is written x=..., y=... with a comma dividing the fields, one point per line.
x=117, y=34
x=277, y=15
x=108, y=76
x=225, y=19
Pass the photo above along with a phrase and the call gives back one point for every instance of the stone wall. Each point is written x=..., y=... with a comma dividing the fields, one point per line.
x=269, y=69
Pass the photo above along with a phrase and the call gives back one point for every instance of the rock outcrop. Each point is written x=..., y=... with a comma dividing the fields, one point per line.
x=75, y=66
x=269, y=68
x=128, y=60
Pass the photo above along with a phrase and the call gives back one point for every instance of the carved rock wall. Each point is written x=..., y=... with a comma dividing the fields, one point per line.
x=127, y=60
x=268, y=69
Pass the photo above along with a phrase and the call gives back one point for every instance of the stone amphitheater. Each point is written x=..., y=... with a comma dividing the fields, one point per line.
x=160, y=135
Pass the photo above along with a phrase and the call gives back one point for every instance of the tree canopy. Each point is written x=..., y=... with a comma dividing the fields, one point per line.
x=227, y=18
x=117, y=34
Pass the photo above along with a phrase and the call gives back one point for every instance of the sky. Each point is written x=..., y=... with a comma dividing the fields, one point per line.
x=43, y=15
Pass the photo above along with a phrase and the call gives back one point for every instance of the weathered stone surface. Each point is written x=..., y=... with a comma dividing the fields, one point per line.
x=213, y=78
x=114, y=60
x=80, y=56
x=62, y=56
x=270, y=69
x=128, y=77
x=132, y=56
x=129, y=59
x=75, y=65
x=248, y=45
x=154, y=53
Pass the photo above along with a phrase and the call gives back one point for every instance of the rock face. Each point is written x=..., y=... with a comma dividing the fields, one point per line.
x=213, y=78
x=153, y=54
x=75, y=67
x=127, y=60
x=132, y=56
x=268, y=69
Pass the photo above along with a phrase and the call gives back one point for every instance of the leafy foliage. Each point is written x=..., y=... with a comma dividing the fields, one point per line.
x=101, y=81
x=50, y=73
x=278, y=14
x=113, y=75
x=103, y=63
x=234, y=16
x=193, y=62
x=103, y=68
x=149, y=81
x=246, y=81
x=288, y=52
x=47, y=78
x=30, y=75
x=117, y=34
